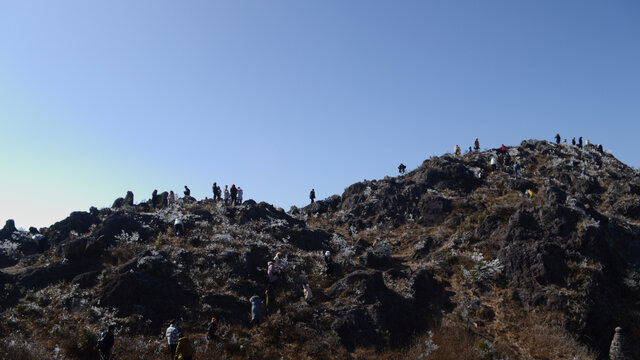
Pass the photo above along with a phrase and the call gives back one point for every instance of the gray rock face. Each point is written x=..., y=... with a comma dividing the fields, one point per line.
x=618, y=349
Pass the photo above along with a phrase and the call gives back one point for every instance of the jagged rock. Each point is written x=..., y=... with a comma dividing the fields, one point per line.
x=86, y=280
x=128, y=199
x=78, y=221
x=37, y=278
x=619, y=349
x=118, y=203
x=8, y=229
x=157, y=298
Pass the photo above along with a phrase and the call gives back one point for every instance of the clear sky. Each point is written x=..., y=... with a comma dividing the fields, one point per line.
x=101, y=97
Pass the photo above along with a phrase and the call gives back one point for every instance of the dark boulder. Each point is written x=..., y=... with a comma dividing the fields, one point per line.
x=118, y=203
x=86, y=280
x=128, y=199
x=8, y=229
x=37, y=278
x=433, y=210
x=159, y=298
x=78, y=221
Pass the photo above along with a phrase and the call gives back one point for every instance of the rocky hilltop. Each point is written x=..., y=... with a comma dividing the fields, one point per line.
x=456, y=259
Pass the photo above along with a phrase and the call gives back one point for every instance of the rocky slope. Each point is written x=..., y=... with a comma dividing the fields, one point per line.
x=453, y=260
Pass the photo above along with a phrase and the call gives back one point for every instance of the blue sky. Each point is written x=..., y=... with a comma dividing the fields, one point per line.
x=101, y=97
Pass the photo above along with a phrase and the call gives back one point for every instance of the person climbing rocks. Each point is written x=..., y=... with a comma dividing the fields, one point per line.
x=255, y=309
x=306, y=291
x=280, y=263
x=558, y=138
x=456, y=150
x=184, y=350
x=401, y=168
x=212, y=329
x=515, y=170
x=178, y=227
x=529, y=193
x=172, y=339
x=226, y=194
x=234, y=194
x=580, y=142
x=105, y=342
x=573, y=141
x=312, y=195
x=269, y=301
x=187, y=191
x=476, y=145
x=240, y=195
x=271, y=272
x=172, y=198
x=328, y=262
x=502, y=149
x=493, y=162
x=600, y=149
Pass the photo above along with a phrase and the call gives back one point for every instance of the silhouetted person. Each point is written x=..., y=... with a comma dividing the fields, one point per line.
x=187, y=192
x=600, y=149
x=105, y=343
x=476, y=144
x=212, y=328
x=312, y=195
x=573, y=141
x=401, y=168
x=580, y=142
x=216, y=191
x=557, y=138
x=234, y=194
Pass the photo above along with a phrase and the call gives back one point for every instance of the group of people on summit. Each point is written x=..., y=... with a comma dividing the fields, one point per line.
x=231, y=195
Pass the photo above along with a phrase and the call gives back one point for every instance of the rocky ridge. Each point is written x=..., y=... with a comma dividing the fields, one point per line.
x=453, y=247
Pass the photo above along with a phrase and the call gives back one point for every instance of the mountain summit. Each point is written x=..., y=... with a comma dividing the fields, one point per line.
x=531, y=251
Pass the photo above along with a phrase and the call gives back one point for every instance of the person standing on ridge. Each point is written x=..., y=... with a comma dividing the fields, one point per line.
x=172, y=338
x=456, y=150
x=401, y=168
x=580, y=142
x=573, y=141
x=214, y=187
x=557, y=138
x=226, y=195
x=105, y=343
x=240, y=195
x=312, y=195
x=476, y=145
x=234, y=194
x=502, y=148
x=172, y=198
x=187, y=192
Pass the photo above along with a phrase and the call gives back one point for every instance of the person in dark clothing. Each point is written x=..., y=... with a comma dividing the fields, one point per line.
x=216, y=192
x=178, y=227
x=476, y=145
x=401, y=168
x=187, y=192
x=105, y=343
x=212, y=328
x=557, y=138
x=600, y=149
x=328, y=261
x=312, y=195
x=234, y=194
x=573, y=141
x=580, y=142
x=515, y=170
